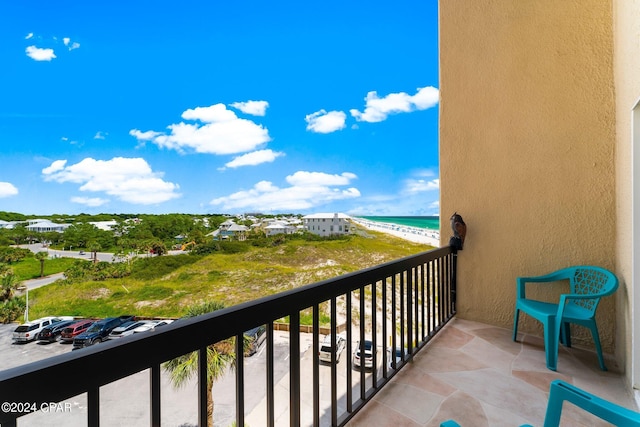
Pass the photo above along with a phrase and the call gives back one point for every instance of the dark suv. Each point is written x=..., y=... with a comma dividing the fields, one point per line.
x=99, y=331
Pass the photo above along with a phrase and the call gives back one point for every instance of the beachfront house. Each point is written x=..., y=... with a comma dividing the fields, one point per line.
x=327, y=224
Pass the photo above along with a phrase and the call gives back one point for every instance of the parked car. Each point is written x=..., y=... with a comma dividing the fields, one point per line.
x=99, y=331
x=52, y=332
x=325, y=348
x=151, y=325
x=398, y=356
x=70, y=332
x=126, y=329
x=368, y=355
x=256, y=337
x=29, y=331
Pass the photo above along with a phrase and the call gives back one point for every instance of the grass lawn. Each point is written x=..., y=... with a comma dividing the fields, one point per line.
x=29, y=268
x=165, y=286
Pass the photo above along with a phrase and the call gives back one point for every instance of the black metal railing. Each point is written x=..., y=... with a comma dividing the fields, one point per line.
x=398, y=305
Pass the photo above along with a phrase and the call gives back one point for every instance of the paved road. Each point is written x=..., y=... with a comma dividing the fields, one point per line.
x=126, y=402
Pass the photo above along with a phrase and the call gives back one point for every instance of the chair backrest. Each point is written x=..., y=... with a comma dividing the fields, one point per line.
x=591, y=280
x=560, y=391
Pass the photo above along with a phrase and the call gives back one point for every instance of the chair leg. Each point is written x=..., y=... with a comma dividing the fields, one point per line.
x=596, y=341
x=565, y=334
x=551, y=338
x=515, y=324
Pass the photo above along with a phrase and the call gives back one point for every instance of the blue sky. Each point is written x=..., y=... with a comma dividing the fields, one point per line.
x=219, y=107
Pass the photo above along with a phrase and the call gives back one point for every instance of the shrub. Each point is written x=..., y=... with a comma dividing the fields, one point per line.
x=12, y=309
x=82, y=270
x=228, y=247
x=156, y=267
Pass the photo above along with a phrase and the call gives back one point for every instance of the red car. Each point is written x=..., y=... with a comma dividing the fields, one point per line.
x=70, y=332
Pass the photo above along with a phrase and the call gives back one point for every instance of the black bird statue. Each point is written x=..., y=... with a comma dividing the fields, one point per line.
x=459, y=231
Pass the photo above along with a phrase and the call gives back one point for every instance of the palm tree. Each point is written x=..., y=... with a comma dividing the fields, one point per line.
x=219, y=356
x=41, y=256
x=8, y=284
x=94, y=247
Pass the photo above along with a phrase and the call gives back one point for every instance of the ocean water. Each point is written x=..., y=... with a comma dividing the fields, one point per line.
x=427, y=222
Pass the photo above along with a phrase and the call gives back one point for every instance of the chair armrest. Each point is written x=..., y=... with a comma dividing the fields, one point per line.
x=563, y=274
x=560, y=391
x=551, y=277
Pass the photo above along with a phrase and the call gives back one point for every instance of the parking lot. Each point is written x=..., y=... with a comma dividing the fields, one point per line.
x=179, y=407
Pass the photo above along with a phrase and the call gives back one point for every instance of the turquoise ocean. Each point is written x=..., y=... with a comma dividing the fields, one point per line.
x=427, y=222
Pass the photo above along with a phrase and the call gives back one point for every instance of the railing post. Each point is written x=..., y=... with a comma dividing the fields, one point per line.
x=155, y=395
x=270, y=377
x=294, y=358
x=316, y=366
x=454, y=274
x=93, y=407
x=334, y=363
x=203, y=400
x=240, y=379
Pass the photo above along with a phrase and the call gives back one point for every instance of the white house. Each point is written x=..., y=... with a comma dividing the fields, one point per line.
x=42, y=225
x=327, y=224
x=105, y=225
x=7, y=224
x=279, y=227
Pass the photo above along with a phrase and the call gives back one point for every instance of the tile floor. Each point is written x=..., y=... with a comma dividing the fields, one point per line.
x=476, y=374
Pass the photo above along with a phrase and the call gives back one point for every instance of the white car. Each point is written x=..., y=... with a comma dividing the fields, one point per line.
x=325, y=348
x=29, y=331
x=368, y=355
x=126, y=329
x=151, y=325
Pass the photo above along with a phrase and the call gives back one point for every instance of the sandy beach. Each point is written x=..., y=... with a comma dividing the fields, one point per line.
x=414, y=234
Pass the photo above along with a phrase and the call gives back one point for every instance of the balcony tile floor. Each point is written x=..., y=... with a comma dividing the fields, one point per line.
x=476, y=374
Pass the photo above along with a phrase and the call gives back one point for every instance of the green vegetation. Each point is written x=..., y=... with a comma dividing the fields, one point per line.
x=167, y=285
x=29, y=267
x=219, y=356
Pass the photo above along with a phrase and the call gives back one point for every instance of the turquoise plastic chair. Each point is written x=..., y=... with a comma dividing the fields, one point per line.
x=561, y=391
x=587, y=285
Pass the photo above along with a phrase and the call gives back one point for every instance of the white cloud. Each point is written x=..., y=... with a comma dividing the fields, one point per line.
x=56, y=166
x=378, y=109
x=413, y=186
x=100, y=135
x=7, y=189
x=222, y=132
x=128, y=179
x=144, y=136
x=304, y=179
x=255, y=108
x=254, y=158
x=68, y=44
x=39, y=54
x=29, y=36
x=306, y=190
x=91, y=202
x=323, y=122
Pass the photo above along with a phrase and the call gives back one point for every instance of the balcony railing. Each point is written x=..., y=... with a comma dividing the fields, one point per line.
x=397, y=305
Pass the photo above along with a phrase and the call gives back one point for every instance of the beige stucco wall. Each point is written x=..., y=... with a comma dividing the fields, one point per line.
x=627, y=83
x=527, y=147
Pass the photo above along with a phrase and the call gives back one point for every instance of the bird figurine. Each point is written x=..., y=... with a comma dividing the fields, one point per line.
x=459, y=231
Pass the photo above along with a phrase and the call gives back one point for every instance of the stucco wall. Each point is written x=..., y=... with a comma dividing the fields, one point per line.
x=527, y=138
x=627, y=82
